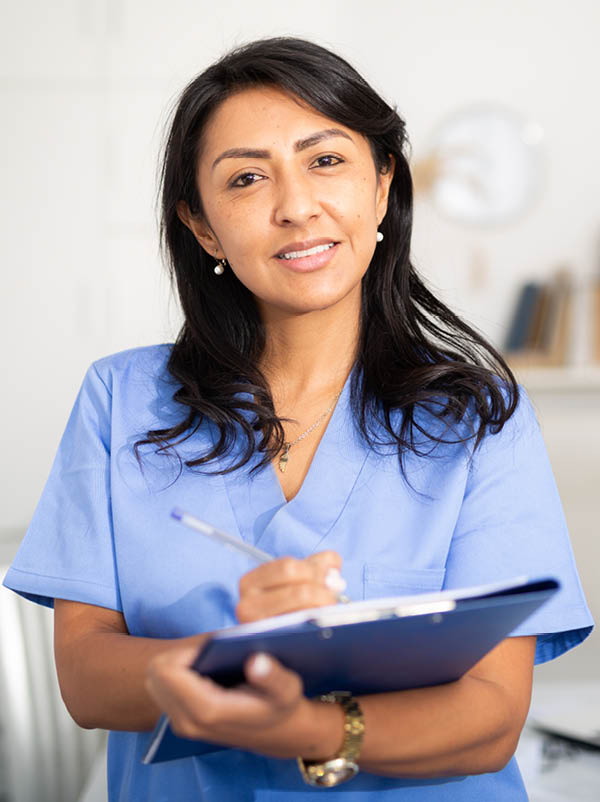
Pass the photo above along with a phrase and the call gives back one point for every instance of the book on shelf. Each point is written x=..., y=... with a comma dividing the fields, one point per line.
x=540, y=330
x=538, y=327
x=519, y=333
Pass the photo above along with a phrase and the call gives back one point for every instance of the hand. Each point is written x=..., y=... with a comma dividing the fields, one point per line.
x=269, y=715
x=288, y=584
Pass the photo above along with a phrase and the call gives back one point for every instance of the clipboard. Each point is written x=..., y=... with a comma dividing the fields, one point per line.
x=372, y=646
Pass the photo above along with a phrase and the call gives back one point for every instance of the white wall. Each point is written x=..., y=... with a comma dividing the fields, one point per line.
x=86, y=85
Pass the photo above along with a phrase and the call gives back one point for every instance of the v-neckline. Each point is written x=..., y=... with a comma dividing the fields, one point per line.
x=332, y=422
x=297, y=526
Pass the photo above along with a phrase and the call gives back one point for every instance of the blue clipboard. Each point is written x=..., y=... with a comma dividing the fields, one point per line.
x=367, y=647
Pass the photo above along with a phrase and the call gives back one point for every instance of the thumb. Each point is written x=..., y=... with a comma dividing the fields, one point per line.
x=283, y=686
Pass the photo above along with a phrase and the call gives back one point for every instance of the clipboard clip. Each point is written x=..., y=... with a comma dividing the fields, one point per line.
x=431, y=608
x=343, y=616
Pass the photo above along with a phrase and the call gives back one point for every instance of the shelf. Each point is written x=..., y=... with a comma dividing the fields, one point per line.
x=563, y=379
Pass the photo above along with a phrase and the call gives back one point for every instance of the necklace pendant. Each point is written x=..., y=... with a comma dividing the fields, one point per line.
x=283, y=459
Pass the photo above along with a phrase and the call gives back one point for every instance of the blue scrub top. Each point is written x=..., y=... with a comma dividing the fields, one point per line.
x=102, y=534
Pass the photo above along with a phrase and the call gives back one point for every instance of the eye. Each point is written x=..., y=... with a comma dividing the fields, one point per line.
x=329, y=160
x=246, y=180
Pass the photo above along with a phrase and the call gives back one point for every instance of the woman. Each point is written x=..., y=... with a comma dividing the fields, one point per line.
x=320, y=402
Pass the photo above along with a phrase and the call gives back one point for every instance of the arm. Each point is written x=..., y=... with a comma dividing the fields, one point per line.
x=466, y=727
x=470, y=726
x=102, y=669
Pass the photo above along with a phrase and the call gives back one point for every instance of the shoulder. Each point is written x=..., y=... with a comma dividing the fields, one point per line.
x=494, y=422
x=146, y=363
x=130, y=389
x=522, y=424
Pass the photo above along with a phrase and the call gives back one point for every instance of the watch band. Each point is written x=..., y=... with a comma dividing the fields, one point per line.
x=344, y=765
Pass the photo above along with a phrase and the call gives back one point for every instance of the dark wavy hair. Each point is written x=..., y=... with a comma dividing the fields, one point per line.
x=414, y=355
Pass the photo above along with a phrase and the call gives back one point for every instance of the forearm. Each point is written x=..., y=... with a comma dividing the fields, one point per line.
x=103, y=677
x=464, y=727
x=470, y=726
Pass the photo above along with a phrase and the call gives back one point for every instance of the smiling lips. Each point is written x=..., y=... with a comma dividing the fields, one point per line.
x=307, y=255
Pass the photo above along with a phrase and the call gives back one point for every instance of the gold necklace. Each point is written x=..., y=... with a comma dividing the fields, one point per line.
x=283, y=459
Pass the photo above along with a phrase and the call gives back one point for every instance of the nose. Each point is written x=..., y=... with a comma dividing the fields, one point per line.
x=296, y=202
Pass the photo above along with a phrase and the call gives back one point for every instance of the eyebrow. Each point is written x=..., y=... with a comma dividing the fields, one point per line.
x=299, y=145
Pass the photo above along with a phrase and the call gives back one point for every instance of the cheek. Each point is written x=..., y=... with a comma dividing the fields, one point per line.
x=242, y=234
x=238, y=230
x=353, y=203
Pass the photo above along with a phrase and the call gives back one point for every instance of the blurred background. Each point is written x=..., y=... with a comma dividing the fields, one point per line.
x=498, y=97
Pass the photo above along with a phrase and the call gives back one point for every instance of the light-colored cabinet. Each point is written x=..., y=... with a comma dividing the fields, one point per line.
x=567, y=402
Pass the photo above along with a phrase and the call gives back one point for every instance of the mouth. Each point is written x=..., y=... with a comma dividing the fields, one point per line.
x=302, y=257
x=302, y=253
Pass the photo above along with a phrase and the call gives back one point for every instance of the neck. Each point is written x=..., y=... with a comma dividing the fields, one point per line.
x=310, y=353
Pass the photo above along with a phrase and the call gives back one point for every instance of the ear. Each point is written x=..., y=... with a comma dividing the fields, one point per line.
x=384, y=181
x=201, y=230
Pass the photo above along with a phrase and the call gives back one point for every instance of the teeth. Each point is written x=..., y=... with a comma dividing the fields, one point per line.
x=309, y=252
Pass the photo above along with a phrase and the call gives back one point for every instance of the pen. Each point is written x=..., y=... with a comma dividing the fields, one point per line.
x=221, y=537
x=234, y=543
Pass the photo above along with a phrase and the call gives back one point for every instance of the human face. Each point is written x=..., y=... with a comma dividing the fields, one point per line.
x=278, y=180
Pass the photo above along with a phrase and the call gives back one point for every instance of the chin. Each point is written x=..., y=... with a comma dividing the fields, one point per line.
x=313, y=297
x=318, y=301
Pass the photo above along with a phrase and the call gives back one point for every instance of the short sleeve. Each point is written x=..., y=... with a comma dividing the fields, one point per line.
x=511, y=523
x=68, y=549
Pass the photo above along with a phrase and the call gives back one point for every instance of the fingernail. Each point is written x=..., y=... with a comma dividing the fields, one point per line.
x=261, y=665
x=335, y=581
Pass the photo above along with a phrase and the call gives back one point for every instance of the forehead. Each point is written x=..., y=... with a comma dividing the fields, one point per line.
x=263, y=117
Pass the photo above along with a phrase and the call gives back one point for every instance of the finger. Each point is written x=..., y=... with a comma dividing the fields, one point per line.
x=287, y=570
x=280, y=600
x=281, y=686
x=196, y=705
x=325, y=559
x=327, y=565
x=177, y=690
x=173, y=662
x=166, y=671
x=273, y=691
x=199, y=708
x=284, y=571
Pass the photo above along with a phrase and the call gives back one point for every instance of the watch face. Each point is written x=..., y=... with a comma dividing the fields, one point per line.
x=333, y=772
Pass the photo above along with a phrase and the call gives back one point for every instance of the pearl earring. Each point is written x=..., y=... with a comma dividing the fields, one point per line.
x=379, y=236
x=220, y=266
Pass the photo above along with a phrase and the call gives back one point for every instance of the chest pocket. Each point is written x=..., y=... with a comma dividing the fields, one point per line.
x=381, y=580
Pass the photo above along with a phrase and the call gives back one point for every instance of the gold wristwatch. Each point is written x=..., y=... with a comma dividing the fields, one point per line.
x=343, y=766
